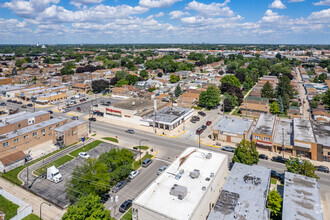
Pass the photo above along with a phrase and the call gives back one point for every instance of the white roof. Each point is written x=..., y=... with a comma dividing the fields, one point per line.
x=157, y=196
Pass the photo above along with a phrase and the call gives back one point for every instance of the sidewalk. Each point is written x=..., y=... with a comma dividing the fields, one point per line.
x=48, y=212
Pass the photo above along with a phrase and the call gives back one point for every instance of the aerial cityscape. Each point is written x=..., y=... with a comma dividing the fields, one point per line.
x=165, y=109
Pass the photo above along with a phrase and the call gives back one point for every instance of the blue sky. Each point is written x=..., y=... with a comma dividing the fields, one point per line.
x=165, y=21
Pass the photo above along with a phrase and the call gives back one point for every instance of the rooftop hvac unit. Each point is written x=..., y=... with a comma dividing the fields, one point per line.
x=194, y=174
x=208, y=156
x=178, y=191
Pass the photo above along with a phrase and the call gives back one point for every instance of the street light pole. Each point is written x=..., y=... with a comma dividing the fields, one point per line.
x=41, y=206
x=140, y=147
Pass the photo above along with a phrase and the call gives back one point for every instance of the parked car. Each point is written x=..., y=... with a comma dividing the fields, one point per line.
x=50, y=111
x=125, y=206
x=66, y=110
x=83, y=155
x=95, y=105
x=23, y=106
x=104, y=198
x=74, y=118
x=118, y=186
x=228, y=148
x=161, y=169
x=14, y=101
x=81, y=100
x=203, y=127
x=199, y=131
x=277, y=175
x=201, y=113
x=9, y=100
x=196, y=118
x=279, y=159
x=78, y=109
x=208, y=123
x=193, y=120
x=133, y=174
x=92, y=119
x=29, y=105
x=146, y=162
x=322, y=169
x=3, y=104
x=263, y=156
x=131, y=131
x=20, y=103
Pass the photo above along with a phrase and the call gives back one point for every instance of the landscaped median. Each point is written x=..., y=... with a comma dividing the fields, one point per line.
x=128, y=215
x=111, y=139
x=136, y=164
x=67, y=158
x=8, y=208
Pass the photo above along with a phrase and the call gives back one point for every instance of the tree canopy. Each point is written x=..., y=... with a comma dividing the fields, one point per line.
x=267, y=91
x=178, y=90
x=326, y=98
x=246, y=153
x=301, y=166
x=232, y=80
x=274, y=204
x=99, y=85
x=210, y=97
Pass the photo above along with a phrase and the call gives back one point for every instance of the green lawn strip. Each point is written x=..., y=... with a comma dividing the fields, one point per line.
x=137, y=163
x=141, y=147
x=128, y=215
x=31, y=217
x=56, y=163
x=8, y=208
x=273, y=181
x=236, y=111
x=86, y=148
x=111, y=139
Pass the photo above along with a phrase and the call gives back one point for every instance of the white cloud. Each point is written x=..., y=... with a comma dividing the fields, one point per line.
x=157, y=3
x=79, y=3
x=211, y=10
x=28, y=9
x=324, y=2
x=178, y=14
x=160, y=14
x=320, y=16
x=277, y=4
x=292, y=1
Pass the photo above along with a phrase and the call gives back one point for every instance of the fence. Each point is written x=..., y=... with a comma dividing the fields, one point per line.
x=24, y=208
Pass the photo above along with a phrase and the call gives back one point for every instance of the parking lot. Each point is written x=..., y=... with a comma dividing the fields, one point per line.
x=55, y=192
x=85, y=106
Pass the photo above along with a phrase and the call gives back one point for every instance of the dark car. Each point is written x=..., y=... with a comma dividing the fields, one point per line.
x=277, y=175
x=201, y=113
x=20, y=103
x=14, y=101
x=3, y=104
x=50, y=111
x=9, y=100
x=193, y=120
x=228, y=148
x=92, y=119
x=118, y=186
x=322, y=169
x=203, y=127
x=279, y=159
x=131, y=131
x=263, y=156
x=199, y=131
x=196, y=118
x=78, y=109
x=125, y=206
x=104, y=198
x=29, y=105
x=23, y=106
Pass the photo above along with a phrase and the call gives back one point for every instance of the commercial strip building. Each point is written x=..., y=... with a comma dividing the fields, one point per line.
x=264, y=131
x=301, y=199
x=244, y=196
x=322, y=135
x=187, y=189
x=70, y=133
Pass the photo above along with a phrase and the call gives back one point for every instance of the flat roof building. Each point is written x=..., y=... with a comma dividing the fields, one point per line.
x=244, y=196
x=301, y=199
x=263, y=132
x=70, y=133
x=283, y=135
x=322, y=134
x=186, y=189
x=231, y=129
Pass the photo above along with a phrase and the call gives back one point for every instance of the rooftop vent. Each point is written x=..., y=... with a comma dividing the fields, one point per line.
x=178, y=191
x=194, y=174
x=208, y=156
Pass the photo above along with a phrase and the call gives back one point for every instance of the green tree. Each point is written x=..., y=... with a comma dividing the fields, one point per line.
x=132, y=79
x=314, y=104
x=284, y=87
x=278, y=56
x=122, y=82
x=174, y=78
x=121, y=75
x=232, y=80
x=34, y=78
x=326, y=98
x=246, y=153
x=138, y=60
x=248, y=83
x=99, y=85
x=67, y=71
x=280, y=104
x=144, y=74
x=274, y=108
x=267, y=91
x=301, y=166
x=210, y=97
x=274, y=203
x=89, y=207
x=178, y=90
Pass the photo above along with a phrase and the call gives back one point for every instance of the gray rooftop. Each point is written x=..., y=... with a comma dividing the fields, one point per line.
x=31, y=128
x=322, y=133
x=69, y=126
x=11, y=119
x=302, y=130
x=235, y=201
x=265, y=124
x=283, y=131
x=233, y=125
x=167, y=114
x=301, y=199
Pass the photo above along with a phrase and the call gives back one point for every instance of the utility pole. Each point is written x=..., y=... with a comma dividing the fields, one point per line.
x=140, y=148
x=41, y=206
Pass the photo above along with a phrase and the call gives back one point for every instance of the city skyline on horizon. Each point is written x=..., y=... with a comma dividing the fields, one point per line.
x=165, y=22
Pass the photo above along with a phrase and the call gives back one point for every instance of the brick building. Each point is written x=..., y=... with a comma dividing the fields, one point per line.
x=70, y=133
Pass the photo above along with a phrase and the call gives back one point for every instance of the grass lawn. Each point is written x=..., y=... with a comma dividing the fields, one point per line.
x=31, y=217
x=141, y=147
x=128, y=215
x=86, y=148
x=273, y=181
x=137, y=163
x=93, y=134
x=111, y=139
x=236, y=111
x=57, y=163
x=7, y=207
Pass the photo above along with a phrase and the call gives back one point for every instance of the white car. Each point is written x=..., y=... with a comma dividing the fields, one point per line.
x=133, y=174
x=83, y=155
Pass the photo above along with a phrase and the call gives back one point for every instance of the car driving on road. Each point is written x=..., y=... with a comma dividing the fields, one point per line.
x=279, y=159
x=118, y=186
x=263, y=156
x=84, y=155
x=322, y=169
x=130, y=131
